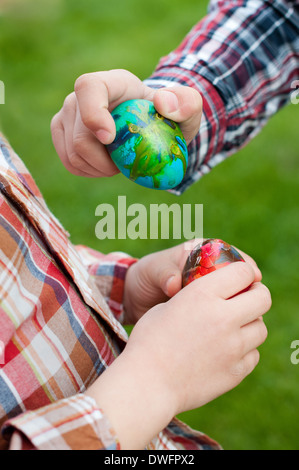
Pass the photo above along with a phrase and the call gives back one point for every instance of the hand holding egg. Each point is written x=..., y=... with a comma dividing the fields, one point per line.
x=208, y=256
x=149, y=149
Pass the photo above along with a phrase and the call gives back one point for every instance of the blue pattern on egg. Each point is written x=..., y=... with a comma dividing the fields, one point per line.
x=149, y=149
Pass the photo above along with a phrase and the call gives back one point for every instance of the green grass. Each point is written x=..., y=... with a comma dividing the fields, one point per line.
x=250, y=200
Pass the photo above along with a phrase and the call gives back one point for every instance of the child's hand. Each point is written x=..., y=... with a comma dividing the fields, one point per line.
x=158, y=277
x=84, y=125
x=184, y=353
x=205, y=338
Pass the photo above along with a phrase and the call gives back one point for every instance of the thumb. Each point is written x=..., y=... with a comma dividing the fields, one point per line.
x=170, y=280
x=182, y=104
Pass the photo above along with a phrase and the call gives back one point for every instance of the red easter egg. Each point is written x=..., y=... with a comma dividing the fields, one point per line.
x=208, y=256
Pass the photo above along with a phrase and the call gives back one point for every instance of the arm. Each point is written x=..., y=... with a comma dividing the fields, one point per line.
x=74, y=423
x=157, y=374
x=155, y=377
x=242, y=58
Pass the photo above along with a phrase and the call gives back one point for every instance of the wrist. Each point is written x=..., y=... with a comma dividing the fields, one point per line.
x=134, y=398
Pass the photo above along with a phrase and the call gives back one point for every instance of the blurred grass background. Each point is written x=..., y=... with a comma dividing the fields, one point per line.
x=250, y=200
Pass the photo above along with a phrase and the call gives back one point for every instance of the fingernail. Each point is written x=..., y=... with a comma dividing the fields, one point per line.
x=171, y=103
x=104, y=136
x=168, y=285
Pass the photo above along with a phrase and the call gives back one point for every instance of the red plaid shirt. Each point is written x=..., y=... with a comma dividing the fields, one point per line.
x=60, y=312
x=61, y=305
x=243, y=58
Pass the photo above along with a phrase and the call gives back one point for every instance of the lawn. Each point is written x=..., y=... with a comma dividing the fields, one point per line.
x=250, y=200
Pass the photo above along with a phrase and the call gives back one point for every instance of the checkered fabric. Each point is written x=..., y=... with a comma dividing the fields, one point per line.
x=243, y=58
x=60, y=327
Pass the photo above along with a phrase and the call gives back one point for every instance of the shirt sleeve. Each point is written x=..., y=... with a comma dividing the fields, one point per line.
x=74, y=423
x=109, y=274
x=243, y=58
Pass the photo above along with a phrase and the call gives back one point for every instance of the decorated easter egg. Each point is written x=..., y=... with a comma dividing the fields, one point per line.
x=149, y=149
x=208, y=256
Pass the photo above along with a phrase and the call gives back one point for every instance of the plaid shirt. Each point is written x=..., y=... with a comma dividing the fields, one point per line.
x=60, y=313
x=61, y=305
x=243, y=58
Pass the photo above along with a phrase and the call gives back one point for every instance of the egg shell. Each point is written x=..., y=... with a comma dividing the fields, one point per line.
x=208, y=256
x=149, y=149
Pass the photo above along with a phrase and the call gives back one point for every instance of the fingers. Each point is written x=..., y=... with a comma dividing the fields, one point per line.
x=251, y=360
x=98, y=93
x=253, y=335
x=245, y=344
x=86, y=145
x=171, y=281
x=93, y=99
x=163, y=270
x=228, y=281
x=236, y=283
x=187, y=247
x=176, y=258
x=249, y=305
x=182, y=104
x=78, y=148
x=248, y=259
x=246, y=365
x=84, y=126
x=62, y=140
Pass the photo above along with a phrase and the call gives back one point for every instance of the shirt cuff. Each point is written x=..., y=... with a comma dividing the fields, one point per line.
x=74, y=423
x=109, y=274
x=205, y=149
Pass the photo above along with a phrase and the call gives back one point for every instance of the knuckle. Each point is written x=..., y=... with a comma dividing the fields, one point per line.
x=123, y=72
x=266, y=297
x=245, y=271
x=79, y=144
x=192, y=108
x=89, y=121
x=255, y=358
x=111, y=171
x=203, y=292
x=76, y=161
x=54, y=122
x=68, y=102
x=235, y=348
x=252, y=361
x=263, y=333
x=239, y=369
x=197, y=99
x=240, y=346
x=82, y=82
x=245, y=366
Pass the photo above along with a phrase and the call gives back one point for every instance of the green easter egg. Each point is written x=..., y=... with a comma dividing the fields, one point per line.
x=149, y=149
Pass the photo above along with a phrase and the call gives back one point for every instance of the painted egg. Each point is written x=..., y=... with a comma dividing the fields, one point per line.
x=149, y=149
x=208, y=256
